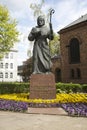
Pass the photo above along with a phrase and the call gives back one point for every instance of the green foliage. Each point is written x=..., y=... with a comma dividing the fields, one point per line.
x=84, y=88
x=70, y=88
x=8, y=88
x=55, y=45
x=8, y=31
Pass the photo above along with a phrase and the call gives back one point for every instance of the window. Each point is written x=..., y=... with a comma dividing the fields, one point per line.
x=6, y=75
x=78, y=73
x=58, y=75
x=1, y=75
x=11, y=65
x=74, y=51
x=7, y=56
x=6, y=65
x=11, y=55
x=72, y=74
x=11, y=75
x=1, y=65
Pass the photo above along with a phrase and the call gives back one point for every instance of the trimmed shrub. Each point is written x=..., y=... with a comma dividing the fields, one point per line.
x=7, y=88
x=84, y=88
x=69, y=87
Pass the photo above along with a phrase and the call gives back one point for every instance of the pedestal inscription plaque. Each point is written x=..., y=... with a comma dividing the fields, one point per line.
x=42, y=86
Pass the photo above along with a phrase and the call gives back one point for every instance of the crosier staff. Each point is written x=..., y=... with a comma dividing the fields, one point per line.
x=51, y=31
x=52, y=11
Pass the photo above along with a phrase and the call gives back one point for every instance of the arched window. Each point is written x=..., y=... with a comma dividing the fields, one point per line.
x=6, y=75
x=1, y=65
x=78, y=73
x=11, y=75
x=74, y=51
x=1, y=75
x=11, y=65
x=7, y=56
x=72, y=74
x=6, y=65
x=58, y=75
x=11, y=55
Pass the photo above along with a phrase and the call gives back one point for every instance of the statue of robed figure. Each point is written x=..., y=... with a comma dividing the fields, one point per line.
x=41, y=52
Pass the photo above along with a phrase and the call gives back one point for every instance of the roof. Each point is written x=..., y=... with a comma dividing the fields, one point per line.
x=83, y=18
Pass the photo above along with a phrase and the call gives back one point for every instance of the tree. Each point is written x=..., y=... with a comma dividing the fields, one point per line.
x=55, y=45
x=8, y=31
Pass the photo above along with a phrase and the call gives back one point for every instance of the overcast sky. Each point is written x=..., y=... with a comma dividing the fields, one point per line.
x=66, y=11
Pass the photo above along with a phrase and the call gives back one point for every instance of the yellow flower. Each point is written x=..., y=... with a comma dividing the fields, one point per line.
x=60, y=98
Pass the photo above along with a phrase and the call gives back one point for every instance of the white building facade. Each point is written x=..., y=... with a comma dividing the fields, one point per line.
x=8, y=67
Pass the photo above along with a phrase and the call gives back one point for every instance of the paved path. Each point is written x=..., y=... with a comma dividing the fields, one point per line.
x=48, y=111
x=23, y=121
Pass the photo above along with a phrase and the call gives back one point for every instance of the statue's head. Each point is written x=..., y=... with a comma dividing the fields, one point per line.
x=41, y=20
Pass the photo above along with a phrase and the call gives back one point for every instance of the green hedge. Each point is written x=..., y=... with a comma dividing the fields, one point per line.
x=13, y=87
x=71, y=87
x=6, y=88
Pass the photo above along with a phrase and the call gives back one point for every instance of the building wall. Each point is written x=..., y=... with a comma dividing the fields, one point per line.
x=56, y=68
x=81, y=34
x=8, y=67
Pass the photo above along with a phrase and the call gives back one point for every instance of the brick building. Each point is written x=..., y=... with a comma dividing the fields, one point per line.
x=71, y=65
x=56, y=68
x=73, y=44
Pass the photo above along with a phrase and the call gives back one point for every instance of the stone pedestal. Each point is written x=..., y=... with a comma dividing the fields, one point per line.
x=42, y=86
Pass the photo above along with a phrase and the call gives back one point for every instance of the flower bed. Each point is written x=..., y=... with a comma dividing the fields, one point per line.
x=75, y=109
x=74, y=104
x=11, y=105
x=60, y=98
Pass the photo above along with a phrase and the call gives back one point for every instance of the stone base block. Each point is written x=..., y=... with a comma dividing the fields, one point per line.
x=42, y=86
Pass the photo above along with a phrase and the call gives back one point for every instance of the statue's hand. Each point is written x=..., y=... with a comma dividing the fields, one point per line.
x=35, y=30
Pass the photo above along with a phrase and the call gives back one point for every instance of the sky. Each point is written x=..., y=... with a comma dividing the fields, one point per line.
x=66, y=11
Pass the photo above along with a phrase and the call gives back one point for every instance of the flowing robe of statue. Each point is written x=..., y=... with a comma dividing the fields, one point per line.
x=41, y=53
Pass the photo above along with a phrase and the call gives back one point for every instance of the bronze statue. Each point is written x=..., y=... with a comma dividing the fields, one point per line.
x=41, y=53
